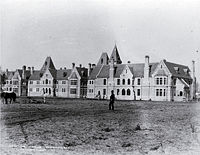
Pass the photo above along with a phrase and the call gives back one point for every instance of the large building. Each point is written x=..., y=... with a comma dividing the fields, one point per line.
x=64, y=82
x=160, y=81
x=17, y=81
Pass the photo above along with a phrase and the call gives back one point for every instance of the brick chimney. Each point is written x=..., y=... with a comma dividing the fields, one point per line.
x=89, y=69
x=32, y=70
x=146, y=68
x=23, y=72
x=73, y=65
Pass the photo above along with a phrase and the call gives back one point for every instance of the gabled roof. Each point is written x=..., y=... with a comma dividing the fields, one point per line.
x=10, y=75
x=102, y=71
x=103, y=59
x=48, y=64
x=20, y=71
x=115, y=55
x=180, y=73
x=83, y=72
x=63, y=74
x=36, y=75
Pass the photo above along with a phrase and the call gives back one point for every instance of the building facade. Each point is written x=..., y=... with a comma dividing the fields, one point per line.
x=51, y=82
x=160, y=81
x=17, y=81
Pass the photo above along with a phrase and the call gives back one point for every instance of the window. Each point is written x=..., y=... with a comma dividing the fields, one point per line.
x=72, y=91
x=90, y=82
x=10, y=89
x=160, y=92
x=30, y=89
x=38, y=82
x=10, y=82
x=128, y=92
x=165, y=81
x=160, y=81
x=46, y=81
x=31, y=82
x=63, y=89
x=46, y=75
x=117, y=91
x=46, y=90
x=63, y=82
x=123, y=91
x=104, y=81
x=15, y=82
x=181, y=93
x=49, y=90
x=37, y=89
x=73, y=82
x=49, y=81
x=123, y=81
x=138, y=92
x=118, y=81
x=164, y=92
x=101, y=60
x=157, y=81
x=6, y=82
x=104, y=91
x=138, y=81
x=129, y=81
x=157, y=92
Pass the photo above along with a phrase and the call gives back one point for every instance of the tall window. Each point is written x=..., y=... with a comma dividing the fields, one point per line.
x=46, y=90
x=73, y=82
x=31, y=82
x=161, y=81
x=104, y=81
x=138, y=81
x=129, y=81
x=181, y=93
x=165, y=81
x=160, y=92
x=104, y=91
x=123, y=91
x=157, y=92
x=117, y=91
x=46, y=81
x=164, y=92
x=128, y=92
x=37, y=89
x=118, y=81
x=138, y=92
x=123, y=81
x=63, y=89
x=157, y=81
x=49, y=90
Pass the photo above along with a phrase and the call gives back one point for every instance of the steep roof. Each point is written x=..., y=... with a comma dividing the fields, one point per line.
x=103, y=59
x=115, y=55
x=48, y=64
x=36, y=75
x=63, y=74
x=83, y=72
x=10, y=75
x=136, y=69
x=180, y=73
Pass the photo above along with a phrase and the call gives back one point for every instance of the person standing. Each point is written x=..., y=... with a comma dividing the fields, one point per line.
x=112, y=100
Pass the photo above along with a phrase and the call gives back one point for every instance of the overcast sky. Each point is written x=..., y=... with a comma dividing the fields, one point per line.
x=80, y=30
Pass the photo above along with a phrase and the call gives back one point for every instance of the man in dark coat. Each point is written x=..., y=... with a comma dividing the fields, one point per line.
x=112, y=100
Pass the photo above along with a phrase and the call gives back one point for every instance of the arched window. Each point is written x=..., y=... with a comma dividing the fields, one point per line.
x=129, y=81
x=128, y=92
x=123, y=91
x=46, y=81
x=46, y=90
x=123, y=81
x=181, y=93
x=50, y=91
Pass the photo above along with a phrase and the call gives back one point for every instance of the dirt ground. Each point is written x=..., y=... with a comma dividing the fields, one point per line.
x=66, y=126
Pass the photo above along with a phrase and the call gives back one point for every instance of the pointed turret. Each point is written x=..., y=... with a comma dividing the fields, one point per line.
x=48, y=64
x=115, y=56
x=103, y=59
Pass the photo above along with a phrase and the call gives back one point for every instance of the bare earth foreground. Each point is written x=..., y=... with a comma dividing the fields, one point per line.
x=64, y=126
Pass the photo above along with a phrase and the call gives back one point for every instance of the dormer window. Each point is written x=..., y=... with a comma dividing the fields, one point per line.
x=176, y=69
x=185, y=70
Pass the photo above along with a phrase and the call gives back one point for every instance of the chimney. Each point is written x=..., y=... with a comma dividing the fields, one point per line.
x=146, y=68
x=89, y=69
x=6, y=72
x=29, y=68
x=23, y=72
x=65, y=68
x=112, y=70
x=60, y=68
x=80, y=66
x=32, y=70
x=73, y=65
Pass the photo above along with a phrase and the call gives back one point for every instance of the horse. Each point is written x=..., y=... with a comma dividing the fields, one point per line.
x=6, y=95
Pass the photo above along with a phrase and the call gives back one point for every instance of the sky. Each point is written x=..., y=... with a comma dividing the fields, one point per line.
x=80, y=30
